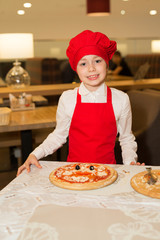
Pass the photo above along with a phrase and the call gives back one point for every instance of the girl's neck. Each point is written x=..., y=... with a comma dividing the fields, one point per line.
x=92, y=88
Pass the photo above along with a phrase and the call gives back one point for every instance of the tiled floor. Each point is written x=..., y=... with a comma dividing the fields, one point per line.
x=6, y=177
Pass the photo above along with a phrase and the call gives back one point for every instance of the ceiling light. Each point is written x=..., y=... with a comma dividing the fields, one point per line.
x=125, y=0
x=27, y=5
x=21, y=12
x=123, y=12
x=153, y=12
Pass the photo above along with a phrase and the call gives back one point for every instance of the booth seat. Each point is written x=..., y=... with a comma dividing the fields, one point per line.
x=43, y=70
x=134, y=61
x=49, y=71
x=54, y=71
x=145, y=125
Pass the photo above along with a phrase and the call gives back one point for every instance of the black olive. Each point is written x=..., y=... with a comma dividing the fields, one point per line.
x=91, y=167
x=77, y=167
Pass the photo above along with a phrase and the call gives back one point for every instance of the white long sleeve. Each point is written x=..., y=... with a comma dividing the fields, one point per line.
x=65, y=110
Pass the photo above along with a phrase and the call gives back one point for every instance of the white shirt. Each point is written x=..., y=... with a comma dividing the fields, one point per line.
x=65, y=110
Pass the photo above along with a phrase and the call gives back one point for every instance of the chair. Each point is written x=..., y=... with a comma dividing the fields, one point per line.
x=134, y=61
x=146, y=125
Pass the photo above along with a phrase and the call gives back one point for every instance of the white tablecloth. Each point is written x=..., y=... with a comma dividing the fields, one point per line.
x=134, y=216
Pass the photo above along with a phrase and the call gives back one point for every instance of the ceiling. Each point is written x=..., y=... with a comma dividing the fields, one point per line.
x=62, y=19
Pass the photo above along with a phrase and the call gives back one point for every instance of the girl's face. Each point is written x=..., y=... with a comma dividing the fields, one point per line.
x=92, y=70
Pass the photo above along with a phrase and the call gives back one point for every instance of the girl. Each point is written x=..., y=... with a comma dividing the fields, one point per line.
x=92, y=114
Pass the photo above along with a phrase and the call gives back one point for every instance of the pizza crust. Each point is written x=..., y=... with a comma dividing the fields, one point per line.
x=84, y=185
x=139, y=184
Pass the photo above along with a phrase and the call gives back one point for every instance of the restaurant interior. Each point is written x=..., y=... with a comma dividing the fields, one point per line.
x=34, y=72
x=132, y=24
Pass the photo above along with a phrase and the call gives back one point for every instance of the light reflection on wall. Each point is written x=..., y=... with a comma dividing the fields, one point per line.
x=123, y=48
x=155, y=46
x=56, y=52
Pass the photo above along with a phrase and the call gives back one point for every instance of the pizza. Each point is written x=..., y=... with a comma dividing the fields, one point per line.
x=83, y=176
x=139, y=183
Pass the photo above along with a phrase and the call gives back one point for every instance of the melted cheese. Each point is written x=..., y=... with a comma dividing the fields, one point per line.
x=79, y=179
x=67, y=173
x=100, y=173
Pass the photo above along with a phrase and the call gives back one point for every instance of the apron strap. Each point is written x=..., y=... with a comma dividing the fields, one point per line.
x=78, y=97
x=109, y=95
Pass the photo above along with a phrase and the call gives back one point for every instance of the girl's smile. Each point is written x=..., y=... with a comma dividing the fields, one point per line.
x=93, y=77
x=92, y=70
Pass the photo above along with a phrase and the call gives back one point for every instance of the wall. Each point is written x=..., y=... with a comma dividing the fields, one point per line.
x=57, y=48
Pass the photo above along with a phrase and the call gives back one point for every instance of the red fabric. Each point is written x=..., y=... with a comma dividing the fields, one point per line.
x=92, y=133
x=90, y=43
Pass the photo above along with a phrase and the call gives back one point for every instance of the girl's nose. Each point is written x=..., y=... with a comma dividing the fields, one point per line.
x=91, y=67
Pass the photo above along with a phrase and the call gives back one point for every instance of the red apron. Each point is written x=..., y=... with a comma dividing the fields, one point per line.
x=93, y=131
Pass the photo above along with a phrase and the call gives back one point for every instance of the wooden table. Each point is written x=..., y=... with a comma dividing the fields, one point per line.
x=111, y=77
x=135, y=85
x=26, y=121
x=57, y=89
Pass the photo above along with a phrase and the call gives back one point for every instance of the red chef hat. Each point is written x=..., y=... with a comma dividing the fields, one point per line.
x=90, y=43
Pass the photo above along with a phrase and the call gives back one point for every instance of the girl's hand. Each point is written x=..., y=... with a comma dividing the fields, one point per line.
x=30, y=160
x=137, y=163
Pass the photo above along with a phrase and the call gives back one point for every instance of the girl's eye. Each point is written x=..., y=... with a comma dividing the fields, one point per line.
x=82, y=64
x=98, y=61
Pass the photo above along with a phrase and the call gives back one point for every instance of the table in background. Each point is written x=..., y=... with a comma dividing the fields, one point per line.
x=133, y=216
x=58, y=89
x=26, y=121
x=111, y=77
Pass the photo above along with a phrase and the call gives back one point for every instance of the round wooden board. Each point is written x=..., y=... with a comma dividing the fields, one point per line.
x=84, y=186
x=141, y=186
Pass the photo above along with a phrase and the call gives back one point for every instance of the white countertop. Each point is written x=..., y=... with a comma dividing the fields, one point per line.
x=140, y=215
